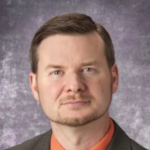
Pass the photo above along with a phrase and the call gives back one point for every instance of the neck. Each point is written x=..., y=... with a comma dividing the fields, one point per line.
x=83, y=137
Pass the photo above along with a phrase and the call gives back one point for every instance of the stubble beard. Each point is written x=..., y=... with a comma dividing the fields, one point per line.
x=77, y=122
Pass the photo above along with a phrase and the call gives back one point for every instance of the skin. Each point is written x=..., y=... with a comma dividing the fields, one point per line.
x=74, y=86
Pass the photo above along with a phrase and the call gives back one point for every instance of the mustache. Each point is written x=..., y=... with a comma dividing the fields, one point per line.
x=76, y=97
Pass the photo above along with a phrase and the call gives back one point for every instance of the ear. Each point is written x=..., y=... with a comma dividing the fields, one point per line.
x=115, y=78
x=33, y=84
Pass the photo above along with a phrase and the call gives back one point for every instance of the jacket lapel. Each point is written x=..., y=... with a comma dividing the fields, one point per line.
x=44, y=142
x=120, y=140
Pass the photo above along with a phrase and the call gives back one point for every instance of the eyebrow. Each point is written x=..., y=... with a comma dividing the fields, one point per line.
x=53, y=66
x=89, y=63
x=60, y=67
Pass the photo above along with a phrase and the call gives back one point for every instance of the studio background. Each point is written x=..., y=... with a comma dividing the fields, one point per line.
x=127, y=21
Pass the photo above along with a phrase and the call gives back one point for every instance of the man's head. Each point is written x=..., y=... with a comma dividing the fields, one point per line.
x=73, y=74
x=70, y=24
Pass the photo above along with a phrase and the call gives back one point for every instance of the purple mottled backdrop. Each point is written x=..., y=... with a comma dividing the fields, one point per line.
x=127, y=21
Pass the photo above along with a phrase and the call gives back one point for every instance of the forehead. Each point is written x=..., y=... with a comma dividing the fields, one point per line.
x=57, y=37
x=71, y=48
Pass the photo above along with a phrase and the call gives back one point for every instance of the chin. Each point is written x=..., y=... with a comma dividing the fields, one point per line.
x=76, y=121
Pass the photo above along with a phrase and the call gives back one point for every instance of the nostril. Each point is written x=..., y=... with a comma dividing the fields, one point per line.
x=79, y=90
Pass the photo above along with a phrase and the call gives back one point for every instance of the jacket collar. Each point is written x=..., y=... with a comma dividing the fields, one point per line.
x=120, y=141
x=44, y=142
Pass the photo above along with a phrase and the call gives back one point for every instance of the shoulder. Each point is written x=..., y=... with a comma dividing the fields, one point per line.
x=121, y=140
x=136, y=146
x=32, y=143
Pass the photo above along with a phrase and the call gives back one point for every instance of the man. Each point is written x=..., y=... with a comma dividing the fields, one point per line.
x=73, y=77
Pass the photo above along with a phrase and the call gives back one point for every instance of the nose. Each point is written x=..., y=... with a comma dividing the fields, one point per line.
x=74, y=84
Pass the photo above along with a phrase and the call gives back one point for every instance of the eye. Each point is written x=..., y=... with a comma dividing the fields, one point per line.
x=89, y=69
x=57, y=72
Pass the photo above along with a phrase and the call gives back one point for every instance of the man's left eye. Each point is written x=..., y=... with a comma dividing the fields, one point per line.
x=57, y=72
x=89, y=69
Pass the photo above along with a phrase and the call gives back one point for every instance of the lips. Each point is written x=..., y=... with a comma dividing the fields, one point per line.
x=76, y=103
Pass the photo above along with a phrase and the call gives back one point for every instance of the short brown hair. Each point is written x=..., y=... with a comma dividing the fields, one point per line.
x=73, y=23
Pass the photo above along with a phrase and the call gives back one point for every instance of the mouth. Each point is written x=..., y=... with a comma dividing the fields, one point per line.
x=76, y=103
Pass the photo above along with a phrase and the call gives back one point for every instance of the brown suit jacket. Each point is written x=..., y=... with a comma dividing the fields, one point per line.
x=120, y=141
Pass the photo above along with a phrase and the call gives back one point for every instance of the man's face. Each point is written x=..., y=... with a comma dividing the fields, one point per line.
x=74, y=84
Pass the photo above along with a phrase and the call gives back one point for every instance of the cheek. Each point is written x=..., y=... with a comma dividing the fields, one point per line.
x=50, y=92
x=100, y=88
x=96, y=86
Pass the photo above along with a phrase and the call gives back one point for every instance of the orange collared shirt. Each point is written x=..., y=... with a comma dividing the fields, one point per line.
x=102, y=144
